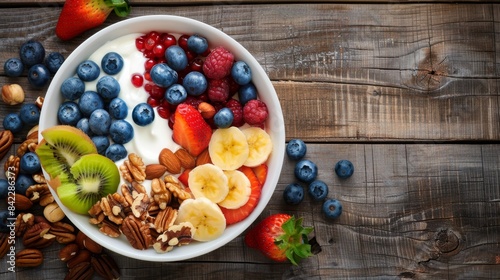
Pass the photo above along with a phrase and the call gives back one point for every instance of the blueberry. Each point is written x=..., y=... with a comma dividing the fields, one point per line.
x=6, y=218
x=69, y=113
x=246, y=93
x=53, y=61
x=89, y=102
x=195, y=83
x=112, y=63
x=306, y=170
x=30, y=163
x=4, y=188
x=175, y=94
x=29, y=114
x=121, y=131
x=31, y=53
x=296, y=149
x=118, y=109
x=108, y=87
x=197, y=44
x=72, y=88
x=162, y=75
x=38, y=75
x=101, y=143
x=116, y=152
x=332, y=208
x=318, y=190
x=176, y=58
x=99, y=122
x=83, y=125
x=13, y=67
x=13, y=122
x=223, y=118
x=23, y=182
x=88, y=70
x=293, y=194
x=143, y=114
x=241, y=73
x=344, y=168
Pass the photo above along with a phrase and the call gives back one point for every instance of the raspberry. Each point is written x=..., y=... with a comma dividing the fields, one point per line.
x=255, y=112
x=218, y=90
x=218, y=63
x=235, y=106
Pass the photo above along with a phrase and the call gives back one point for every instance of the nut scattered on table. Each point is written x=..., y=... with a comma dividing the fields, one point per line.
x=6, y=141
x=53, y=213
x=29, y=258
x=12, y=94
x=38, y=236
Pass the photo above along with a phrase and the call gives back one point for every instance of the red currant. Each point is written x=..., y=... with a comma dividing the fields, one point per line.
x=157, y=92
x=182, y=42
x=139, y=43
x=153, y=102
x=159, y=50
x=168, y=40
x=196, y=64
x=147, y=76
x=137, y=80
x=164, y=112
x=148, y=87
x=149, y=64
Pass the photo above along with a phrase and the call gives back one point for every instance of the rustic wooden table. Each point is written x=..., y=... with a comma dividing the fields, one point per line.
x=408, y=91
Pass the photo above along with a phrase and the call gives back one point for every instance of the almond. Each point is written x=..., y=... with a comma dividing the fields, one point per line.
x=155, y=171
x=186, y=159
x=168, y=159
x=203, y=158
x=21, y=202
x=206, y=109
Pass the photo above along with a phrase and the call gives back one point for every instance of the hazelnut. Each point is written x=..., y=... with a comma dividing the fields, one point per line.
x=207, y=110
x=12, y=94
x=53, y=213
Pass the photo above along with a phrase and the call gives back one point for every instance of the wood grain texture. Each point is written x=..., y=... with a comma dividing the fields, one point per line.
x=407, y=91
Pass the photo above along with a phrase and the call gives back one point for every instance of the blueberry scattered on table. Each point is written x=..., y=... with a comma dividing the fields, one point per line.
x=344, y=168
x=4, y=188
x=13, y=122
x=31, y=53
x=13, y=67
x=23, y=182
x=223, y=118
x=293, y=194
x=296, y=149
x=88, y=70
x=332, y=208
x=318, y=190
x=29, y=114
x=30, y=163
x=38, y=75
x=5, y=216
x=306, y=170
x=53, y=61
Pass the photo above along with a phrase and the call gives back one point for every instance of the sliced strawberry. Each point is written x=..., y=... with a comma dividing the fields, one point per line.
x=261, y=173
x=250, y=237
x=183, y=178
x=190, y=130
x=78, y=16
x=238, y=214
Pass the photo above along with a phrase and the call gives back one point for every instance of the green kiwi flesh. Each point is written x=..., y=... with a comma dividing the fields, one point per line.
x=93, y=177
x=61, y=147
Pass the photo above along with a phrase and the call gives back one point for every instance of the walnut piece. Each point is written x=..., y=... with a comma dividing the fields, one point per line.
x=133, y=169
x=176, y=188
x=114, y=206
x=175, y=235
x=137, y=232
x=11, y=166
x=165, y=219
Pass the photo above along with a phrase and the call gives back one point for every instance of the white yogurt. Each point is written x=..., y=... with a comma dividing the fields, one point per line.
x=149, y=140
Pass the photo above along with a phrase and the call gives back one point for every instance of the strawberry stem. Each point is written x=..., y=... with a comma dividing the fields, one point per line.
x=294, y=240
x=121, y=7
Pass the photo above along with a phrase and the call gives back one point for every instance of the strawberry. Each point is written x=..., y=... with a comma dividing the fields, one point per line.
x=280, y=237
x=184, y=177
x=238, y=214
x=261, y=173
x=190, y=130
x=78, y=16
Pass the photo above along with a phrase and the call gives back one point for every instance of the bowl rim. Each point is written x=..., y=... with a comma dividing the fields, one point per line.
x=275, y=125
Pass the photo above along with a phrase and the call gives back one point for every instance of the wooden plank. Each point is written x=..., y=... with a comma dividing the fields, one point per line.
x=371, y=72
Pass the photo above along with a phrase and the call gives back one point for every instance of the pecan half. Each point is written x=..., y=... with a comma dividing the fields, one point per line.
x=40, y=193
x=140, y=206
x=68, y=252
x=81, y=271
x=160, y=194
x=109, y=229
x=11, y=166
x=175, y=235
x=176, y=188
x=137, y=232
x=23, y=222
x=4, y=244
x=133, y=169
x=38, y=236
x=105, y=266
x=165, y=219
x=130, y=191
x=29, y=258
x=64, y=232
x=6, y=141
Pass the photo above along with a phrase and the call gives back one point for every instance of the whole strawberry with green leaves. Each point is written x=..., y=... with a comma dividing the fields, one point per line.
x=281, y=237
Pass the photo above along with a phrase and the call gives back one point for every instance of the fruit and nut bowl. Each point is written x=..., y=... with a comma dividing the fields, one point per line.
x=163, y=138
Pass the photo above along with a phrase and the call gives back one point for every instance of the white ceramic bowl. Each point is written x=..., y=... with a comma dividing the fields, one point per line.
x=178, y=25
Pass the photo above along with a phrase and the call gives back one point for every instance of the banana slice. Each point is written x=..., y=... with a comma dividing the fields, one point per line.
x=228, y=148
x=239, y=190
x=205, y=216
x=259, y=144
x=208, y=181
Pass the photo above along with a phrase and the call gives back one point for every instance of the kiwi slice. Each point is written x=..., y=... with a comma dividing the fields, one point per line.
x=92, y=176
x=61, y=147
